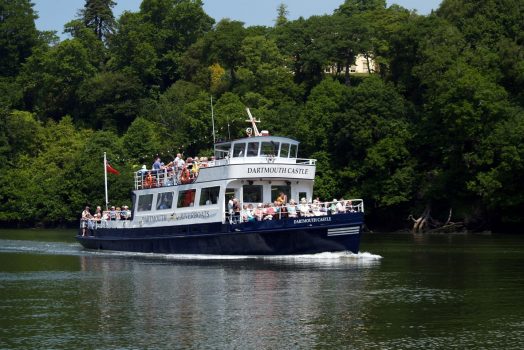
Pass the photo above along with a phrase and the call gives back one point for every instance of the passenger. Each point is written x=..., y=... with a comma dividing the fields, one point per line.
x=303, y=208
x=185, y=176
x=98, y=214
x=150, y=181
x=282, y=198
x=250, y=215
x=341, y=206
x=292, y=209
x=157, y=165
x=236, y=211
x=244, y=214
x=270, y=212
x=196, y=167
x=230, y=210
x=105, y=216
x=316, y=208
x=112, y=213
x=118, y=213
x=349, y=207
x=333, y=207
x=259, y=212
x=203, y=162
x=84, y=220
x=125, y=214
x=277, y=206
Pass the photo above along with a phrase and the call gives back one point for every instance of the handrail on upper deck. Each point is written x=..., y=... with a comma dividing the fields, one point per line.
x=171, y=177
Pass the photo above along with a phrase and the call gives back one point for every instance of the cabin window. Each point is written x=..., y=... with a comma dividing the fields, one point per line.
x=144, y=202
x=164, y=201
x=239, y=149
x=209, y=195
x=269, y=148
x=222, y=151
x=252, y=193
x=293, y=152
x=277, y=190
x=186, y=199
x=302, y=195
x=252, y=149
x=284, y=150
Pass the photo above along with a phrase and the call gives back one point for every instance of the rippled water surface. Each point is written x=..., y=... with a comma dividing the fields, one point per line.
x=400, y=292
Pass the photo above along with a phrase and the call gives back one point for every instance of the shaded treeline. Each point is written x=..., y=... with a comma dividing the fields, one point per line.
x=438, y=125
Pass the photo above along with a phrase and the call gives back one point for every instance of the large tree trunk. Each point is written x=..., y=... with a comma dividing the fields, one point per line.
x=426, y=223
x=421, y=224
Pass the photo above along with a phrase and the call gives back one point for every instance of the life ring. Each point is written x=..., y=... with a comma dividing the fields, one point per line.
x=185, y=177
x=149, y=181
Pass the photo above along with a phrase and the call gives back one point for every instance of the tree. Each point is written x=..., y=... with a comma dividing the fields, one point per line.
x=18, y=35
x=151, y=43
x=225, y=43
x=109, y=101
x=282, y=13
x=352, y=7
x=141, y=141
x=98, y=15
x=51, y=77
x=371, y=144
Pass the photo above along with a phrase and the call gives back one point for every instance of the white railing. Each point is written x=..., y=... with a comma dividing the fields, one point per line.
x=316, y=208
x=145, y=179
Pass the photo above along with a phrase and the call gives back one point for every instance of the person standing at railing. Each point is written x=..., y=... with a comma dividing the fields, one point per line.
x=84, y=220
x=236, y=211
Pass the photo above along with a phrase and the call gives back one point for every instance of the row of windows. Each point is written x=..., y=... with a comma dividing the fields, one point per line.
x=254, y=193
x=208, y=196
x=255, y=149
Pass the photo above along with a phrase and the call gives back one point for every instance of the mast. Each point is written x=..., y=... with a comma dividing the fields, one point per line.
x=253, y=122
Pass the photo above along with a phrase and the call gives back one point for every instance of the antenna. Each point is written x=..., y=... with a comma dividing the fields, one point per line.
x=253, y=122
x=228, y=131
x=213, y=119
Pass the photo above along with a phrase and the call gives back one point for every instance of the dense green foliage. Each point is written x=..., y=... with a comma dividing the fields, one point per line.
x=439, y=124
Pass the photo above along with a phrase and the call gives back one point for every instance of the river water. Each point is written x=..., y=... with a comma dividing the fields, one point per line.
x=401, y=292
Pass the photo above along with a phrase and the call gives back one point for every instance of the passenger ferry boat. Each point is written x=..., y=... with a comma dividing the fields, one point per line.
x=176, y=214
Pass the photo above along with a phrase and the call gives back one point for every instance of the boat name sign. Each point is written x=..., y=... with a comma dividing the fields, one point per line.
x=206, y=214
x=311, y=220
x=277, y=170
x=291, y=171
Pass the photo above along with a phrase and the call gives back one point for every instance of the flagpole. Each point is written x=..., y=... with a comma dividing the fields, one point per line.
x=105, y=179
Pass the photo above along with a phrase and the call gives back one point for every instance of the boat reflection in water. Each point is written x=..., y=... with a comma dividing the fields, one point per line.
x=187, y=303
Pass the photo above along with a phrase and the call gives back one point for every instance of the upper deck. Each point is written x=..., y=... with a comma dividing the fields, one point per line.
x=245, y=158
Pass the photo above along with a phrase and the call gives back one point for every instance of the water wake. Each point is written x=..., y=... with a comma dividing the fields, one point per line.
x=62, y=248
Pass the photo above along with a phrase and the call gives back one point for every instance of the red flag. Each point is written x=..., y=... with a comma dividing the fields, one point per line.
x=112, y=170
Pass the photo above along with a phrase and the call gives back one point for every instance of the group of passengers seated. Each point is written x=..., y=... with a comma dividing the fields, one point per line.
x=178, y=171
x=279, y=209
x=88, y=221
